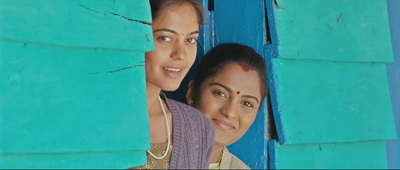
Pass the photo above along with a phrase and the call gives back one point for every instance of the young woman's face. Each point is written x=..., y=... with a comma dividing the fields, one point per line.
x=175, y=33
x=231, y=99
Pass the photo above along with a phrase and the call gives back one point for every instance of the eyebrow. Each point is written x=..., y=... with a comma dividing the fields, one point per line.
x=230, y=91
x=174, y=32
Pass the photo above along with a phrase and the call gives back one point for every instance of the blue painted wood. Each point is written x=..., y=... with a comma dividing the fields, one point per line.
x=61, y=105
x=333, y=104
x=71, y=100
x=73, y=83
x=244, y=22
x=270, y=52
x=72, y=160
x=358, y=155
x=291, y=39
x=78, y=23
x=346, y=30
x=240, y=22
x=302, y=91
x=206, y=39
x=393, y=70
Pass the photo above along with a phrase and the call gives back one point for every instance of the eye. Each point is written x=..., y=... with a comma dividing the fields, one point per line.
x=164, y=38
x=248, y=104
x=191, y=40
x=219, y=93
x=222, y=94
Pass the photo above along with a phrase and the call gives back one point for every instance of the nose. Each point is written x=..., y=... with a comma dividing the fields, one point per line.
x=229, y=110
x=179, y=51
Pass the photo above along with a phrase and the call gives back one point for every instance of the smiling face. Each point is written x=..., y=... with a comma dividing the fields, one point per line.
x=230, y=99
x=175, y=33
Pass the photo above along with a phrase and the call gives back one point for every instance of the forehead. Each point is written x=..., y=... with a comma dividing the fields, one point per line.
x=234, y=77
x=179, y=17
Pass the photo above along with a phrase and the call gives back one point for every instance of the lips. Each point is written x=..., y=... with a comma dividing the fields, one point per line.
x=223, y=124
x=173, y=72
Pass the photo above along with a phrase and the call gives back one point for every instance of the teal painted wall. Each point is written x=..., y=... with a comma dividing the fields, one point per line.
x=330, y=94
x=73, y=83
x=319, y=78
x=355, y=155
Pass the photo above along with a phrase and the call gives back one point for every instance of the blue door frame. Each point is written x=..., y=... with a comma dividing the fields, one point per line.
x=393, y=70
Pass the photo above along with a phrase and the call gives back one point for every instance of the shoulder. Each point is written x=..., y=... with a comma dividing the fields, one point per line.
x=191, y=120
x=235, y=163
x=193, y=137
x=188, y=113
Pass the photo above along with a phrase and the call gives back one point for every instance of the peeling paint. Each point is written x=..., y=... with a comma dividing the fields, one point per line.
x=115, y=14
x=340, y=16
x=147, y=36
x=113, y=71
x=130, y=19
x=124, y=68
x=90, y=9
x=276, y=5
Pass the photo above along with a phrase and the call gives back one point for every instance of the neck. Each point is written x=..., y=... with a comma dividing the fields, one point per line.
x=153, y=104
x=217, y=153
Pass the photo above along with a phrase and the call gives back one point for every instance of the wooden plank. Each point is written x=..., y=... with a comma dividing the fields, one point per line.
x=319, y=102
x=71, y=100
x=359, y=155
x=82, y=160
x=335, y=30
x=393, y=69
x=78, y=23
x=243, y=22
x=233, y=25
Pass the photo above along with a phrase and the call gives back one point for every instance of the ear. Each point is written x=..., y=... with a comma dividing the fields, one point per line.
x=189, y=99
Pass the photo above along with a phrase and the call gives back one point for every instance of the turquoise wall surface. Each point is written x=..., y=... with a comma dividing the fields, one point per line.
x=330, y=96
x=73, y=83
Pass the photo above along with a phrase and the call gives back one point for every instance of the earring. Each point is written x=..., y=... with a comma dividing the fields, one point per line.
x=190, y=102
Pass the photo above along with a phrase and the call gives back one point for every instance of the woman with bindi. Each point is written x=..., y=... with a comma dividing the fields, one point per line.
x=229, y=88
x=181, y=136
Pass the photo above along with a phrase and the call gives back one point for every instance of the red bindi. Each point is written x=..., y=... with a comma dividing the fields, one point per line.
x=245, y=67
x=238, y=92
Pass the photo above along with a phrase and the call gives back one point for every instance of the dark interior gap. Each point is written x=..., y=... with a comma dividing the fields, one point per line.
x=211, y=5
x=267, y=30
x=271, y=126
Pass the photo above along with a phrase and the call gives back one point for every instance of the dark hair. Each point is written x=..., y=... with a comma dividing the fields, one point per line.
x=158, y=5
x=223, y=55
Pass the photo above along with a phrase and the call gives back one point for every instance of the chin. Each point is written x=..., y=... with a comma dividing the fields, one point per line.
x=222, y=140
x=170, y=88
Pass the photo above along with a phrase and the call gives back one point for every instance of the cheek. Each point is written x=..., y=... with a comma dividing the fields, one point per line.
x=150, y=59
x=247, y=120
x=207, y=106
x=160, y=51
x=192, y=54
